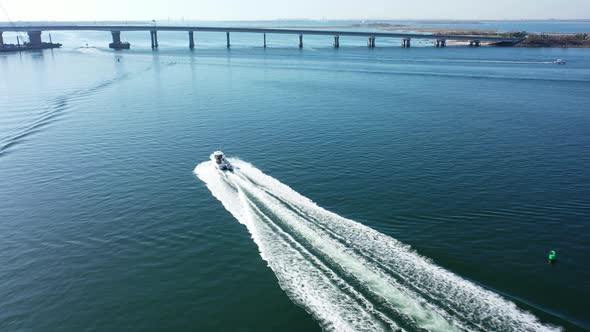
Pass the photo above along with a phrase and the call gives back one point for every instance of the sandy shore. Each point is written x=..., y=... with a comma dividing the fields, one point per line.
x=399, y=27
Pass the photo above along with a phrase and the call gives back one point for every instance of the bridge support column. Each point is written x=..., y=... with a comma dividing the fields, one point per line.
x=371, y=42
x=117, y=44
x=191, y=39
x=154, y=35
x=406, y=42
x=116, y=37
x=336, y=41
x=300, y=41
x=471, y=43
x=34, y=37
x=477, y=43
x=227, y=39
x=441, y=43
x=264, y=34
x=1, y=39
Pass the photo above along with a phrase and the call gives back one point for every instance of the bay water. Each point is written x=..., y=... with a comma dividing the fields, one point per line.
x=411, y=188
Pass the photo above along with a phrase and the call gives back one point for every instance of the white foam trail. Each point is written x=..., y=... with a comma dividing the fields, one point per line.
x=349, y=276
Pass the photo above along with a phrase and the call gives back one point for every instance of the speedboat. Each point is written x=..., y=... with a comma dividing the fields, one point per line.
x=559, y=62
x=220, y=162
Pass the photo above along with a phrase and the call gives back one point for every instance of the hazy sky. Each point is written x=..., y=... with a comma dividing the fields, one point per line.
x=56, y=10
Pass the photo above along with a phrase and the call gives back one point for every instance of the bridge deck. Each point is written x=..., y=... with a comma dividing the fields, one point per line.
x=320, y=32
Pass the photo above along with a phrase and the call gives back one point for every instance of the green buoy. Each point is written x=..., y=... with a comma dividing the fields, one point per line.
x=552, y=256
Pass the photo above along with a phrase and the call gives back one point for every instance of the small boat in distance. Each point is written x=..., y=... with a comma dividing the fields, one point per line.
x=220, y=162
x=559, y=62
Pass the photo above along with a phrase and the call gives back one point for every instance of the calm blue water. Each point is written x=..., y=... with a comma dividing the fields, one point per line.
x=477, y=158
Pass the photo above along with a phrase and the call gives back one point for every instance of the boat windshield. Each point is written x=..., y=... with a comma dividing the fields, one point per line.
x=218, y=158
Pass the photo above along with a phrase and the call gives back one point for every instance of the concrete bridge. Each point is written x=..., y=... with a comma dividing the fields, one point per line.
x=439, y=40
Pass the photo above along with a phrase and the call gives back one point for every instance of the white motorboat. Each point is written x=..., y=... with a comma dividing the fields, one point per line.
x=559, y=62
x=220, y=162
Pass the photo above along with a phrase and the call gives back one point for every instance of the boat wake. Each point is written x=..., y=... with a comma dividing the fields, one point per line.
x=55, y=109
x=349, y=276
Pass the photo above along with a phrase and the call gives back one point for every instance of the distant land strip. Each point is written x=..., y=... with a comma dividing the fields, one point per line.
x=533, y=39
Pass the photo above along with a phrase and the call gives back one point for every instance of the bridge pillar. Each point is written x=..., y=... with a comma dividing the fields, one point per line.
x=154, y=35
x=336, y=41
x=471, y=43
x=406, y=42
x=477, y=43
x=264, y=34
x=300, y=41
x=441, y=42
x=34, y=37
x=227, y=39
x=1, y=39
x=191, y=39
x=117, y=44
x=116, y=37
x=371, y=42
